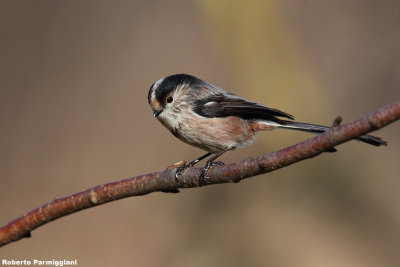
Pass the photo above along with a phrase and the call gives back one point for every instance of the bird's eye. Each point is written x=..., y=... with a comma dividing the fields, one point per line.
x=169, y=99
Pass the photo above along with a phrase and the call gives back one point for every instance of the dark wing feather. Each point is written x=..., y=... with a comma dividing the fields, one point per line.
x=232, y=105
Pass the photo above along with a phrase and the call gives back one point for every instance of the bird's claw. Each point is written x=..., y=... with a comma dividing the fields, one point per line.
x=180, y=169
x=178, y=173
x=204, y=179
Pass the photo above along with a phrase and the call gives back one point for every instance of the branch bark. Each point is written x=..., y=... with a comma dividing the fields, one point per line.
x=165, y=180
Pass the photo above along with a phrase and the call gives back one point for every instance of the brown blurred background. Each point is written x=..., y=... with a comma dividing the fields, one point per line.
x=74, y=77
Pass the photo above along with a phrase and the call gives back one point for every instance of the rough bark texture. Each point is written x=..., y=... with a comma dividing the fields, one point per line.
x=165, y=180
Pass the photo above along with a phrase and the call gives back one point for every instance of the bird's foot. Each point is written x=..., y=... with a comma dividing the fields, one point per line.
x=180, y=169
x=204, y=179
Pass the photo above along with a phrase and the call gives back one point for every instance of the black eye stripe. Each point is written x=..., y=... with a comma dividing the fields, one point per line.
x=172, y=82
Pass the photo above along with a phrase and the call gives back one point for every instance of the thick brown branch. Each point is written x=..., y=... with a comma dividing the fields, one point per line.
x=164, y=180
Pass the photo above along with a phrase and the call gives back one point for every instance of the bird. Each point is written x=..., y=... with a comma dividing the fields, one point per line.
x=208, y=117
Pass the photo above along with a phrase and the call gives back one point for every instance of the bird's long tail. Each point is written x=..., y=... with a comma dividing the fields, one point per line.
x=316, y=129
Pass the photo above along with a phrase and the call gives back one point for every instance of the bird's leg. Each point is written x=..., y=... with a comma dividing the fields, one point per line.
x=190, y=164
x=209, y=164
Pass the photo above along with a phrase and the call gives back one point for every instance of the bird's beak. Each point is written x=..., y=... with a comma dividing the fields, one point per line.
x=156, y=113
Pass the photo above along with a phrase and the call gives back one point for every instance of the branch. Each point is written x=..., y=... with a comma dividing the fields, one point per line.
x=165, y=180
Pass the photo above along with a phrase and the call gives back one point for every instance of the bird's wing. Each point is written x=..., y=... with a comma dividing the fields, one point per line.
x=223, y=105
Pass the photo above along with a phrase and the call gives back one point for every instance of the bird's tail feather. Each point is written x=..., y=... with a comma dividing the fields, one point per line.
x=316, y=129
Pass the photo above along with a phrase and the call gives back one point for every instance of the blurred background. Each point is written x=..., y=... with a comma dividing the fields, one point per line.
x=74, y=78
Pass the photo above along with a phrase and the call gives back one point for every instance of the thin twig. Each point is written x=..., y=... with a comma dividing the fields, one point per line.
x=165, y=180
x=337, y=121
